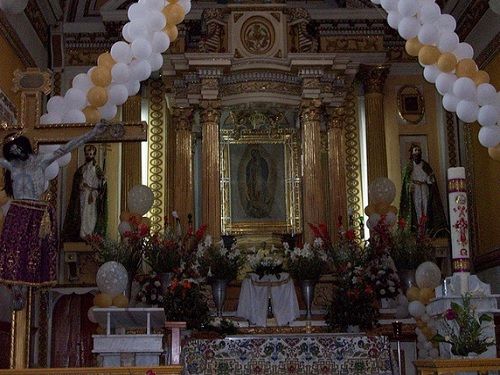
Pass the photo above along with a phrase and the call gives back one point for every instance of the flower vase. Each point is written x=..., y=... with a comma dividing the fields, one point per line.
x=165, y=278
x=307, y=287
x=407, y=277
x=219, y=294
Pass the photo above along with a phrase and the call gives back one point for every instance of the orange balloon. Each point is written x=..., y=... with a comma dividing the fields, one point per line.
x=125, y=216
x=92, y=114
x=447, y=62
x=101, y=76
x=426, y=294
x=120, y=301
x=413, y=293
x=173, y=1
x=393, y=209
x=481, y=77
x=103, y=300
x=174, y=13
x=428, y=55
x=466, y=68
x=105, y=60
x=427, y=332
x=494, y=152
x=382, y=208
x=97, y=96
x=413, y=46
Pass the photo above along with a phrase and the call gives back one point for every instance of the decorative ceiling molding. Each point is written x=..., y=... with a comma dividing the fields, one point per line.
x=470, y=17
x=489, y=53
x=37, y=20
x=10, y=34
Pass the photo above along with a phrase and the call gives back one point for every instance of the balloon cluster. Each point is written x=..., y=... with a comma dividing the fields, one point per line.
x=466, y=90
x=427, y=277
x=381, y=193
x=96, y=94
x=139, y=201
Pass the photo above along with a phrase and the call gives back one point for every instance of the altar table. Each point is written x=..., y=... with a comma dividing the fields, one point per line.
x=298, y=354
x=255, y=293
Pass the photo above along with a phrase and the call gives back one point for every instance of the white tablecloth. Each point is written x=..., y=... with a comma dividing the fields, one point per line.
x=254, y=296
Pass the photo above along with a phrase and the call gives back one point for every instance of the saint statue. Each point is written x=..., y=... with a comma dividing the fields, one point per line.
x=420, y=200
x=29, y=240
x=87, y=209
x=259, y=201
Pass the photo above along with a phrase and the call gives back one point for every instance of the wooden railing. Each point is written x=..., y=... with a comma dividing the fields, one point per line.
x=452, y=366
x=161, y=370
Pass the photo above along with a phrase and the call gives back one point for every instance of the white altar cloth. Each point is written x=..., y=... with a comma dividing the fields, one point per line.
x=254, y=297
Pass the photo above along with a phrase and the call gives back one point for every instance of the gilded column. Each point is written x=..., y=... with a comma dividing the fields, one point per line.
x=336, y=169
x=183, y=165
x=211, y=210
x=131, y=151
x=373, y=79
x=314, y=202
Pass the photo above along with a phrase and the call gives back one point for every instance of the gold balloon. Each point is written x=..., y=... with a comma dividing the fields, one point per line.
x=393, y=209
x=92, y=114
x=105, y=60
x=120, y=301
x=125, y=216
x=174, y=14
x=369, y=210
x=413, y=293
x=103, y=300
x=413, y=46
x=97, y=96
x=172, y=32
x=466, y=68
x=481, y=77
x=428, y=55
x=427, y=332
x=173, y=1
x=381, y=208
x=426, y=294
x=494, y=152
x=447, y=62
x=101, y=76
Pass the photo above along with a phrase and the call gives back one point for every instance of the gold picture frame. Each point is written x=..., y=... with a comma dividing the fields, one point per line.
x=260, y=182
x=411, y=105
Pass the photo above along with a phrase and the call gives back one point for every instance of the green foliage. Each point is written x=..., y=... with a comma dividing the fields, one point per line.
x=307, y=263
x=123, y=252
x=409, y=250
x=217, y=262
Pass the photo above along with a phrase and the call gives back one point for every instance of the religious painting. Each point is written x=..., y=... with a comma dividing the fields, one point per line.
x=411, y=106
x=405, y=143
x=260, y=182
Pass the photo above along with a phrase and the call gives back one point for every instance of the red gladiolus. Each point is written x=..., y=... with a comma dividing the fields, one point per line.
x=350, y=234
x=402, y=223
x=143, y=230
x=200, y=233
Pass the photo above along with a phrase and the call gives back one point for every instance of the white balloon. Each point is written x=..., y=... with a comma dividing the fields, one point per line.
x=75, y=99
x=185, y=4
x=156, y=21
x=425, y=318
x=428, y=275
x=155, y=61
x=111, y=278
x=141, y=48
x=140, y=199
x=416, y=309
x=376, y=1
x=136, y=12
x=408, y=8
x=465, y=88
x=389, y=5
x=64, y=160
x=467, y=111
x=381, y=190
x=448, y=41
x=90, y=314
x=486, y=94
x=56, y=105
x=402, y=300
x=393, y=19
x=139, y=29
x=408, y=27
x=126, y=33
x=489, y=136
x=82, y=82
x=120, y=73
x=450, y=102
x=446, y=22
x=133, y=87
x=428, y=34
x=431, y=72
x=488, y=115
x=74, y=116
x=51, y=118
x=117, y=94
x=124, y=227
x=155, y=4
x=51, y=171
x=108, y=111
x=160, y=42
x=140, y=70
x=444, y=82
x=120, y=52
x=464, y=51
x=429, y=13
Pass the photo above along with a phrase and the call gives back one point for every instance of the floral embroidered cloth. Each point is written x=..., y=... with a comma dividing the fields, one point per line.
x=290, y=354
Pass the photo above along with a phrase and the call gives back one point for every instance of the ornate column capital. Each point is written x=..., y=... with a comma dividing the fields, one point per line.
x=310, y=110
x=373, y=77
x=210, y=111
x=183, y=118
x=336, y=117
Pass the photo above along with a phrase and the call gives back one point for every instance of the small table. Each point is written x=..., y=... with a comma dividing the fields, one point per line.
x=255, y=293
x=146, y=348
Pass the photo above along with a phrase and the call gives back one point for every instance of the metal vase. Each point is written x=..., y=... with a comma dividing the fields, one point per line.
x=407, y=277
x=307, y=287
x=219, y=294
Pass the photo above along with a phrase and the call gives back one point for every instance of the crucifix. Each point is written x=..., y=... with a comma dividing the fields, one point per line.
x=32, y=84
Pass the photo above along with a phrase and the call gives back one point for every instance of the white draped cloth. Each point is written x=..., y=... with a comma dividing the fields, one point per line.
x=254, y=295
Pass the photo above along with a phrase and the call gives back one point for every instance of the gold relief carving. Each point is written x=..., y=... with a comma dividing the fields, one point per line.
x=310, y=111
x=311, y=83
x=258, y=86
x=352, y=43
x=79, y=56
x=237, y=16
x=373, y=77
x=37, y=20
x=182, y=118
x=451, y=139
x=257, y=35
x=211, y=112
x=411, y=105
x=209, y=83
x=457, y=185
x=336, y=118
x=276, y=15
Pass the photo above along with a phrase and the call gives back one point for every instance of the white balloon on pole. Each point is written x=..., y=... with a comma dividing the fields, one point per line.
x=111, y=278
x=51, y=171
x=467, y=111
x=489, y=136
x=450, y=102
x=428, y=275
x=117, y=94
x=56, y=105
x=120, y=73
x=486, y=94
x=74, y=116
x=140, y=199
x=444, y=82
x=50, y=118
x=381, y=190
x=137, y=11
x=431, y=72
x=488, y=115
x=408, y=27
x=120, y=52
x=139, y=29
x=448, y=41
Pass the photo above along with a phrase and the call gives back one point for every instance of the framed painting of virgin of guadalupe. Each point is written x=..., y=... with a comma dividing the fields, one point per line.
x=260, y=182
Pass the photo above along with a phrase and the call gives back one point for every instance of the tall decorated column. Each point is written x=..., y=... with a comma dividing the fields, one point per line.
x=373, y=79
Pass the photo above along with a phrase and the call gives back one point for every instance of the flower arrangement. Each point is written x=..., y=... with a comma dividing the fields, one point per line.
x=184, y=301
x=463, y=330
x=151, y=291
x=217, y=262
x=307, y=263
x=221, y=326
x=265, y=261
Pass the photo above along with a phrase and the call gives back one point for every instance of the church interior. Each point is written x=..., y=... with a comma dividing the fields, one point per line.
x=345, y=129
